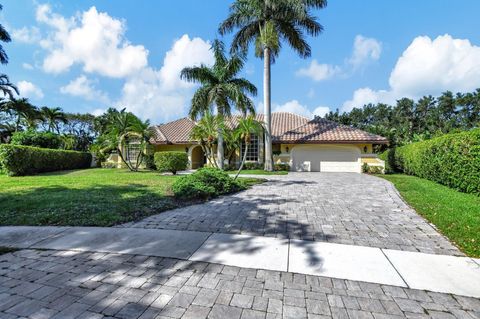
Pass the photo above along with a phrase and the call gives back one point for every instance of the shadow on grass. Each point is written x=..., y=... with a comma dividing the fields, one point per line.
x=97, y=205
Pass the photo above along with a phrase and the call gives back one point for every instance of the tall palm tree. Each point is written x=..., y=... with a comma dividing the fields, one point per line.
x=220, y=89
x=52, y=117
x=26, y=115
x=267, y=23
x=245, y=128
x=6, y=87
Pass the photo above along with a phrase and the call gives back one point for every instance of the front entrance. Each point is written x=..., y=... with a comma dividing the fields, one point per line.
x=197, y=158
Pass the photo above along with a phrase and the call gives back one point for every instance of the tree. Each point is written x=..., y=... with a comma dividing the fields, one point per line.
x=206, y=133
x=245, y=128
x=52, y=116
x=220, y=89
x=267, y=23
x=129, y=136
x=6, y=87
x=26, y=115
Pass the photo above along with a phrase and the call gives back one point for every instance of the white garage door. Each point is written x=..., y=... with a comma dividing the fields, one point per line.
x=321, y=158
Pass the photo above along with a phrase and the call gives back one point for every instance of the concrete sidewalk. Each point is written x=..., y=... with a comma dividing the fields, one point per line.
x=438, y=273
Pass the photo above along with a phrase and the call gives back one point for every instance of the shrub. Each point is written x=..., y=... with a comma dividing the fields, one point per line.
x=171, y=161
x=205, y=183
x=452, y=160
x=252, y=166
x=389, y=158
x=149, y=161
x=37, y=139
x=281, y=167
x=18, y=160
x=365, y=168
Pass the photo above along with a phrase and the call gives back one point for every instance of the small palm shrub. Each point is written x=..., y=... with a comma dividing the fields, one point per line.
x=171, y=161
x=281, y=167
x=205, y=183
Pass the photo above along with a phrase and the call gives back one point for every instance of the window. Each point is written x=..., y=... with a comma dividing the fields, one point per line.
x=252, y=152
x=133, y=150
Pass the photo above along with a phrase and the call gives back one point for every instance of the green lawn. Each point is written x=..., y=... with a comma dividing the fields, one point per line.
x=456, y=215
x=92, y=197
x=259, y=172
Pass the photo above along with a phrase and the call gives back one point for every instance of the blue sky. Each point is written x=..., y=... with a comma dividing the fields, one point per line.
x=85, y=56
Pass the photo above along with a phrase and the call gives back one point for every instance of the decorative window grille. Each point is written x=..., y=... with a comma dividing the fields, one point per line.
x=252, y=152
x=133, y=150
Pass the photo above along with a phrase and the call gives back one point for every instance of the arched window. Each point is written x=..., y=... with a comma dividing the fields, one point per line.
x=252, y=153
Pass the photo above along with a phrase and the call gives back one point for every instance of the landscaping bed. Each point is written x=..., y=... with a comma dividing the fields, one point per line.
x=91, y=197
x=455, y=214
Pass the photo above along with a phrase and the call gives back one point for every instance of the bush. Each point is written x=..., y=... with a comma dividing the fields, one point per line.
x=205, y=183
x=281, y=167
x=252, y=166
x=171, y=161
x=37, y=139
x=149, y=161
x=389, y=158
x=365, y=168
x=452, y=160
x=18, y=160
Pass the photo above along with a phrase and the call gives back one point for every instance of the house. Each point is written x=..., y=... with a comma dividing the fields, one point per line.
x=316, y=145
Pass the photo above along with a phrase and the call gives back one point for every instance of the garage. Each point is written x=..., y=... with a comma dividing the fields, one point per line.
x=326, y=158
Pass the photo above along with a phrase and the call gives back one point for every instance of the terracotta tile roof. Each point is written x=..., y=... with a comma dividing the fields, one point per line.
x=176, y=132
x=320, y=130
x=286, y=128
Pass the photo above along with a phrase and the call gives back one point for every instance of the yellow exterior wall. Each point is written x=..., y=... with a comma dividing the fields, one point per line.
x=171, y=148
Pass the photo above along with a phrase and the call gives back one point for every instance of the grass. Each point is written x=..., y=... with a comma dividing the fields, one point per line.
x=455, y=214
x=92, y=197
x=260, y=172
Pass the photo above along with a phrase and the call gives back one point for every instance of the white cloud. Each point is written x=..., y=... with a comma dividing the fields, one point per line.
x=321, y=111
x=98, y=112
x=29, y=90
x=27, y=66
x=93, y=39
x=184, y=52
x=294, y=106
x=83, y=87
x=364, y=50
x=26, y=35
x=319, y=72
x=427, y=67
x=160, y=94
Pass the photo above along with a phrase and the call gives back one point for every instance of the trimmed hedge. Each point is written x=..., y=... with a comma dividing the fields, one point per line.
x=37, y=139
x=452, y=160
x=18, y=160
x=171, y=161
x=205, y=183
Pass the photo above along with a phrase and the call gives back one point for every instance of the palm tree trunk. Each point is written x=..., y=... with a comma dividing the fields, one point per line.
x=268, y=109
x=220, y=151
x=243, y=160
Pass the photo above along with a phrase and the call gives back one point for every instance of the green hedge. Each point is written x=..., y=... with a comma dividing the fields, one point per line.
x=452, y=160
x=37, y=139
x=19, y=160
x=171, y=161
x=205, y=183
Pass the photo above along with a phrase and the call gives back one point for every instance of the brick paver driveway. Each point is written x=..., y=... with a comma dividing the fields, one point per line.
x=346, y=208
x=67, y=284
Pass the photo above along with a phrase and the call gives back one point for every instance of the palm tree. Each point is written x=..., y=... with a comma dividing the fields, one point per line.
x=6, y=87
x=245, y=128
x=267, y=23
x=206, y=133
x=26, y=114
x=52, y=116
x=124, y=132
x=220, y=89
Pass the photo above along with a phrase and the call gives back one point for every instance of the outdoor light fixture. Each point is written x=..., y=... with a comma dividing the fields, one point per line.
x=186, y=149
x=286, y=148
x=365, y=149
